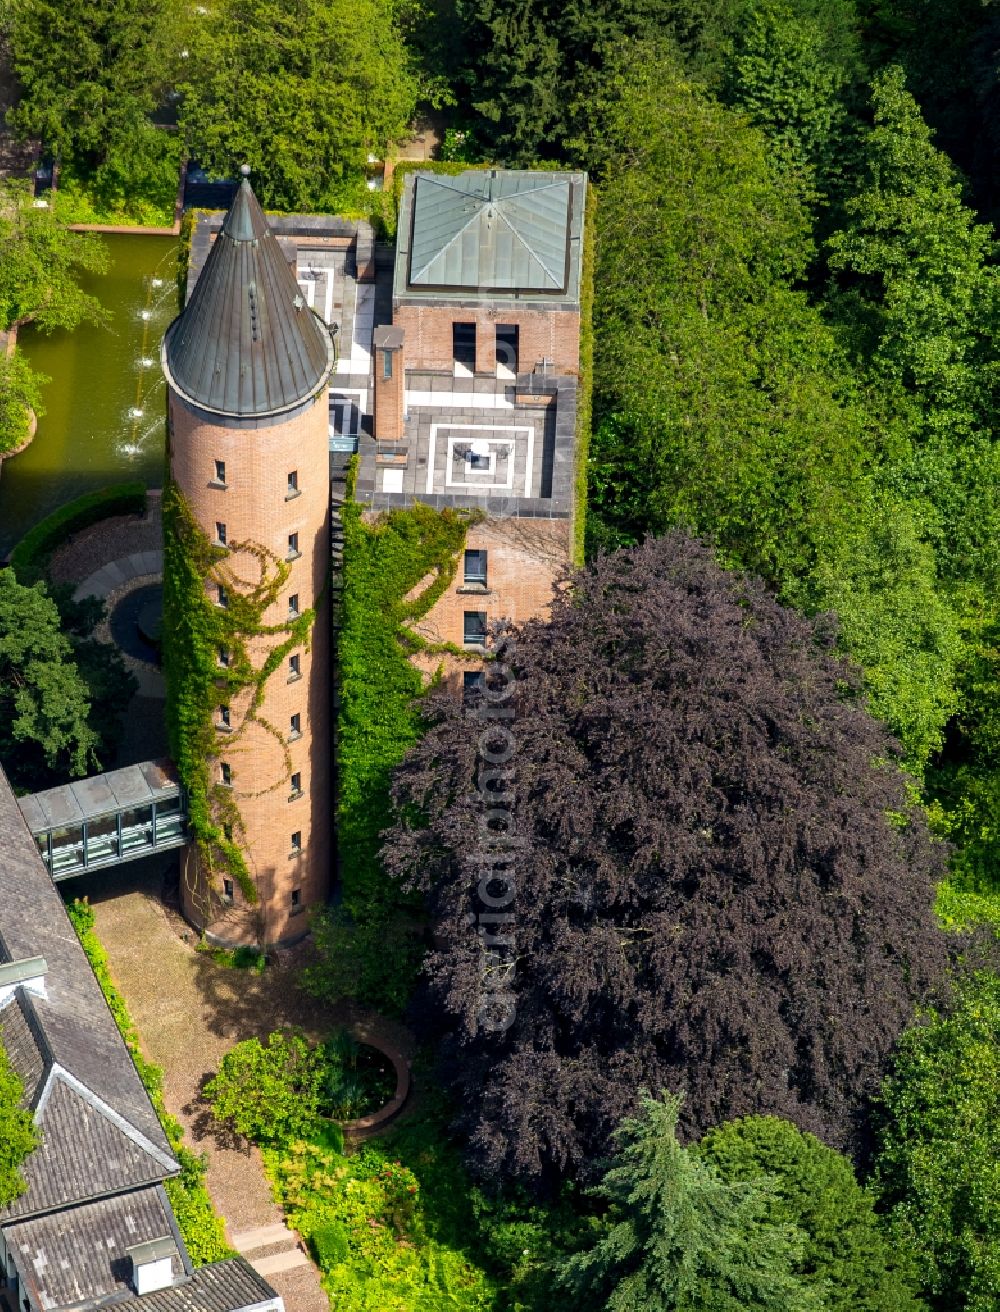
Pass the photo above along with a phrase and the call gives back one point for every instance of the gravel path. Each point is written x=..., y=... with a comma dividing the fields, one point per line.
x=93, y=547
x=189, y=1011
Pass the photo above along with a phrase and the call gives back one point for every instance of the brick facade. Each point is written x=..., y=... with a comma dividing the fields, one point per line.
x=525, y=559
x=255, y=506
x=543, y=334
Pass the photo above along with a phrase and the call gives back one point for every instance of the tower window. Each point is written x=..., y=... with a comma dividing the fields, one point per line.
x=296, y=898
x=475, y=568
x=474, y=634
x=386, y=365
x=293, y=605
x=224, y=717
x=223, y=657
x=223, y=597
x=294, y=667
x=297, y=841
x=296, y=782
x=227, y=890
x=293, y=484
x=220, y=533
x=227, y=833
x=220, y=473
x=293, y=547
x=226, y=774
x=296, y=726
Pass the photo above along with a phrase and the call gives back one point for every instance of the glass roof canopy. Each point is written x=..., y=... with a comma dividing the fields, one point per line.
x=107, y=818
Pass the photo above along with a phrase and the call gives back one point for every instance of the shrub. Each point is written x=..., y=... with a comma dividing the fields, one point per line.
x=17, y=1132
x=268, y=1093
x=330, y=1245
x=20, y=393
x=30, y=558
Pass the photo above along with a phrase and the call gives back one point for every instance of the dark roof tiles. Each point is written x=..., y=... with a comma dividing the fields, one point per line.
x=229, y=1286
x=83, y=1153
x=78, y=1257
x=247, y=346
x=71, y=1025
x=24, y=1045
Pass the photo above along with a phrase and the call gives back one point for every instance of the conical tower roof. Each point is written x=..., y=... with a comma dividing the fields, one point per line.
x=247, y=345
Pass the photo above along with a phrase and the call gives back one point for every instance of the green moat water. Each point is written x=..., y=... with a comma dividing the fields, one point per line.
x=105, y=406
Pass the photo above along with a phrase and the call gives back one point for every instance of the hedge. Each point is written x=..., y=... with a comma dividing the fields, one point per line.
x=30, y=558
x=584, y=404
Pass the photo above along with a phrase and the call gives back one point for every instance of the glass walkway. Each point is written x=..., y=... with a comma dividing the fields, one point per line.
x=108, y=818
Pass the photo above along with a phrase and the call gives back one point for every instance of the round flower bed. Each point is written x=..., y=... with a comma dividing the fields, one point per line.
x=360, y=1080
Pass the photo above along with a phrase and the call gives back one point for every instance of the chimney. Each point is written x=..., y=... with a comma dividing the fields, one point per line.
x=152, y=1264
x=390, y=395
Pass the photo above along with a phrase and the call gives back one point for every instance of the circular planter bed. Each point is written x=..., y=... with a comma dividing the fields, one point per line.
x=362, y=1082
x=383, y=1078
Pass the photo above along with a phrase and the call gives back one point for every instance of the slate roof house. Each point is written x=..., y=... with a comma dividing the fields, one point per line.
x=94, y=1227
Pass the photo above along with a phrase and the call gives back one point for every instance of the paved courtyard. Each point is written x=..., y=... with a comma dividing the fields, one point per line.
x=189, y=1011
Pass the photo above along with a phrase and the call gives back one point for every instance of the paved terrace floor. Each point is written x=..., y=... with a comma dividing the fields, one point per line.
x=189, y=1012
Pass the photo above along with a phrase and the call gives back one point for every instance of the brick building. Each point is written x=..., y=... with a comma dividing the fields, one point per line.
x=247, y=366
x=475, y=386
x=453, y=373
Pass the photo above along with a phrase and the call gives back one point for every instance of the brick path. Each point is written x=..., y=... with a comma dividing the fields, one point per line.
x=189, y=1012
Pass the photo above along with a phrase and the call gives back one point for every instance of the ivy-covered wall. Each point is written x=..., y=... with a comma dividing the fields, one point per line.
x=378, y=719
x=195, y=630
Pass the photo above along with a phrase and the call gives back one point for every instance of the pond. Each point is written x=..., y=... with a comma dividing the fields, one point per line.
x=105, y=406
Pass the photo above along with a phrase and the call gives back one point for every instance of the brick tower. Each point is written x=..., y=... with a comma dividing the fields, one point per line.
x=247, y=363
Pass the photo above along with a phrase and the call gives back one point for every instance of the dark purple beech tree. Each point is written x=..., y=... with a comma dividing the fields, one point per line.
x=666, y=848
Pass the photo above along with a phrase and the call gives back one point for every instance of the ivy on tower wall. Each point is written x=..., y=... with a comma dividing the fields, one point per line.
x=195, y=630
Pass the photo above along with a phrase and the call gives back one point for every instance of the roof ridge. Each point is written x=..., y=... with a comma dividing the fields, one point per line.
x=532, y=253
x=120, y=1122
x=23, y=998
x=473, y=218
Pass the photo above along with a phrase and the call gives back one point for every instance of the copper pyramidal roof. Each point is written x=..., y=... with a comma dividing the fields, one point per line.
x=247, y=345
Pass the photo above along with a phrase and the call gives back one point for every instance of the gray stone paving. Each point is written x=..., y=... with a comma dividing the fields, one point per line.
x=145, y=565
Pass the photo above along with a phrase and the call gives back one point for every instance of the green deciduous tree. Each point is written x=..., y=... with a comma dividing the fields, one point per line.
x=44, y=704
x=268, y=1092
x=301, y=90
x=918, y=302
x=847, y=1254
x=17, y=1132
x=680, y=1238
x=940, y=1144
x=20, y=394
x=726, y=404
x=89, y=72
x=40, y=261
x=793, y=70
